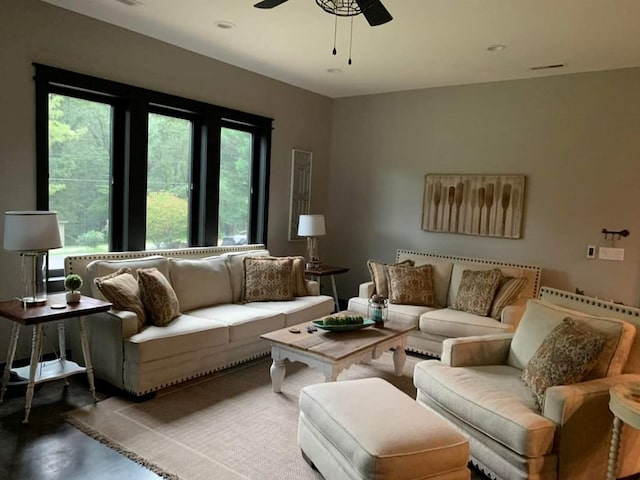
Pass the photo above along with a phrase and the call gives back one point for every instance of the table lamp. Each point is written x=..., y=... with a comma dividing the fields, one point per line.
x=33, y=234
x=312, y=227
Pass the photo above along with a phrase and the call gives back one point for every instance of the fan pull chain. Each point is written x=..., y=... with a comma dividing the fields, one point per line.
x=350, y=40
x=335, y=35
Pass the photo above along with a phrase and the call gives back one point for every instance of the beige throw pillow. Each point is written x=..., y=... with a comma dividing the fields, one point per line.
x=378, y=271
x=158, y=297
x=267, y=279
x=299, y=283
x=565, y=357
x=411, y=285
x=509, y=290
x=476, y=291
x=121, y=289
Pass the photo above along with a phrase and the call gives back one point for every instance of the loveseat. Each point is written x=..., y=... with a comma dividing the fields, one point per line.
x=215, y=328
x=434, y=324
x=517, y=431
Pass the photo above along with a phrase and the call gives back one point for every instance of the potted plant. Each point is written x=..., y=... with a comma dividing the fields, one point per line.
x=73, y=282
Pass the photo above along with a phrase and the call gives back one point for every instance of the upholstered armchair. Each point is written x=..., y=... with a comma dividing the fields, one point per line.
x=477, y=385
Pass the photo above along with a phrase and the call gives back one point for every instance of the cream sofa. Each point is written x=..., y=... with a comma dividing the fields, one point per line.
x=477, y=387
x=434, y=325
x=214, y=329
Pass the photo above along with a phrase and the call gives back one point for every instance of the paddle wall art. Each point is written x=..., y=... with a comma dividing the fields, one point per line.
x=488, y=205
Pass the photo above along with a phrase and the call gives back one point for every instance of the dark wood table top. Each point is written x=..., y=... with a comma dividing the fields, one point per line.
x=15, y=311
x=323, y=270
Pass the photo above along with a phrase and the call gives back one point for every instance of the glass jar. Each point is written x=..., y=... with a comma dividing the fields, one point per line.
x=377, y=309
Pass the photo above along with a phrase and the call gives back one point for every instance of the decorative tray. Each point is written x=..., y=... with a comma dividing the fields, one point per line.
x=343, y=328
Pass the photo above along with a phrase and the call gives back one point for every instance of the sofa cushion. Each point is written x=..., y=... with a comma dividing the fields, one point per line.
x=121, y=289
x=508, y=291
x=563, y=358
x=541, y=317
x=267, y=279
x=408, y=314
x=411, y=285
x=302, y=309
x=502, y=409
x=100, y=268
x=158, y=297
x=236, y=269
x=477, y=289
x=459, y=268
x=245, y=323
x=185, y=334
x=378, y=271
x=200, y=282
x=451, y=323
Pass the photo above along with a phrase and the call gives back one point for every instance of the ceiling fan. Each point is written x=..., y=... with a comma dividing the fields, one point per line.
x=373, y=10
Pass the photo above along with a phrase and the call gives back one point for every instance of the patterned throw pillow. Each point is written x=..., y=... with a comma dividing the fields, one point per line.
x=508, y=292
x=411, y=285
x=476, y=291
x=565, y=357
x=378, y=271
x=268, y=279
x=121, y=289
x=158, y=297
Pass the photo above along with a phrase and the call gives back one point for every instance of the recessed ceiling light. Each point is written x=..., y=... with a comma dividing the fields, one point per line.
x=225, y=25
x=334, y=70
x=498, y=47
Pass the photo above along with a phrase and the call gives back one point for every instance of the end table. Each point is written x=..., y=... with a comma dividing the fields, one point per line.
x=624, y=403
x=327, y=271
x=37, y=371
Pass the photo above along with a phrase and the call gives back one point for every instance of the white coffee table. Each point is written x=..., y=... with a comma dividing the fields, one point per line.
x=332, y=352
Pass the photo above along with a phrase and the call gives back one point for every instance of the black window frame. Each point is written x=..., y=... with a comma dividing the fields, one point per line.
x=131, y=106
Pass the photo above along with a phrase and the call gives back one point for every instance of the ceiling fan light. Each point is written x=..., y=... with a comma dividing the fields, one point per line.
x=344, y=8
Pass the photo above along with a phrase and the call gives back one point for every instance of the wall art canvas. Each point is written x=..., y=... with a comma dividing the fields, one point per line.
x=487, y=205
x=300, y=196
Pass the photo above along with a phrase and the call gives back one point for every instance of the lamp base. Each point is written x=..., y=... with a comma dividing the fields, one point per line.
x=313, y=265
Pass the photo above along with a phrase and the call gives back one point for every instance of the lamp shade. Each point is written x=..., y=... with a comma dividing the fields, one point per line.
x=311, y=226
x=31, y=231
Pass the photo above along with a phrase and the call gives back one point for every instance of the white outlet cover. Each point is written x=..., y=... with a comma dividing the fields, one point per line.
x=609, y=253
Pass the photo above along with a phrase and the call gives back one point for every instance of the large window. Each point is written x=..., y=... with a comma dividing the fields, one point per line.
x=131, y=169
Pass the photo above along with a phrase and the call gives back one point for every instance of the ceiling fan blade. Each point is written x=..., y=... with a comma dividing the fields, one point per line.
x=269, y=3
x=375, y=14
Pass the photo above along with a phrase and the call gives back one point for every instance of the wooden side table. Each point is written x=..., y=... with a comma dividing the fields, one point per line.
x=327, y=271
x=624, y=402
x=37, y=371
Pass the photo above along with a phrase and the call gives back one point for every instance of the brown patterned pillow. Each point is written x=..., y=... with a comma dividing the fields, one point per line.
x=378, y=271
x=267, y=279
x=121, y=289
x=411, y=285
x=508, y=291
x=158, y=297
x=564, y=357
x=476, y=291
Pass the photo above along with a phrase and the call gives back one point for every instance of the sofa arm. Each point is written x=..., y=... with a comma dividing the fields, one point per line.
x=478, y=350
x=313, y=287
x=582, y=413
x=365, y=290
x=512, y=314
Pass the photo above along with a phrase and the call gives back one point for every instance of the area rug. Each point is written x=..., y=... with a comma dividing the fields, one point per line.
x=230, y=425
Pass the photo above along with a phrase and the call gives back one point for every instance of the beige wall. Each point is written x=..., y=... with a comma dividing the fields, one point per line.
x=33, y=31
x=575, y=137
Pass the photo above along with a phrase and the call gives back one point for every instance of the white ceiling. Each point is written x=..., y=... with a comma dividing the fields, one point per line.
x=429, y=43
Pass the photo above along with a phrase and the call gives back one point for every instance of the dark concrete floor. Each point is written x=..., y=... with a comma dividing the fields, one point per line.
x=49, y=448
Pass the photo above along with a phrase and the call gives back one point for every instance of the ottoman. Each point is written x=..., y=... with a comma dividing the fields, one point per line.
x=368, y=429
